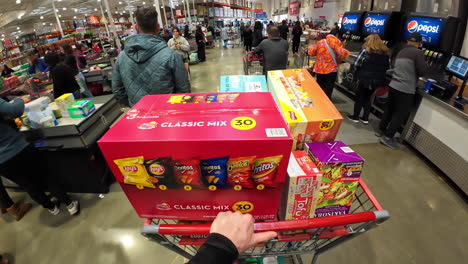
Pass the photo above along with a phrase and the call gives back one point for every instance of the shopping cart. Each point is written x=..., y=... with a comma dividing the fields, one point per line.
x=313, y=236
x=253, y=63
x=234, y=39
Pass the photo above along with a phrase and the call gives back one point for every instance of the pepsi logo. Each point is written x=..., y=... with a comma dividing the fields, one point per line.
x=373, y=22
x=347, y=21
x=412, y=26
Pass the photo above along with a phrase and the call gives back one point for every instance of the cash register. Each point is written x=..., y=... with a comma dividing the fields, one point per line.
x=457, y=66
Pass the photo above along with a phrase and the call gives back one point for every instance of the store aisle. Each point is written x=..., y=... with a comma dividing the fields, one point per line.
x=427, y=222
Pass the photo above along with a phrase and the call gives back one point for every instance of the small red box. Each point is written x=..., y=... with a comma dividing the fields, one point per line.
x=164, y=141
x=302, y=188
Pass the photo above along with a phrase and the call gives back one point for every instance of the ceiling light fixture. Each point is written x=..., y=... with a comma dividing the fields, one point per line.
x=95, y=9
x=18, y=2
x=43, y=24
x=59, y=15
x=17, y=28
x=144, y=3
x=120, y=3
x=42, y=17
x=64, y=9
x=74, y=17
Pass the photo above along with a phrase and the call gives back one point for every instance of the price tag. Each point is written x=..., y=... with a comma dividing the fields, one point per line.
x=243, y=123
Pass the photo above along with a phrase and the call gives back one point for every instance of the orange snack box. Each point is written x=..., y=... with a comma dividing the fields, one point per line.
x=310, y=115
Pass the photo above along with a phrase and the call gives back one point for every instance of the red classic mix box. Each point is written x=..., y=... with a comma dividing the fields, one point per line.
x=191, y=156
x=302, y=188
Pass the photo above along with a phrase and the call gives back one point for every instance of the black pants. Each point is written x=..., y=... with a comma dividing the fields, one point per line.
x=327, y=82
x=5, y=199
x=248, y=45
x=201, y=52
x=296, y=44
x=396, y=112
x=363, y=100
x=29, y=171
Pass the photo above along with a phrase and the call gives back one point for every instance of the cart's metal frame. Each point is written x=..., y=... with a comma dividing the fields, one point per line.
x=313, y=236
x=253, y=64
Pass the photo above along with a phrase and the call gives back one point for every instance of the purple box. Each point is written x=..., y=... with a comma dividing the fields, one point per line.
x=341, y=168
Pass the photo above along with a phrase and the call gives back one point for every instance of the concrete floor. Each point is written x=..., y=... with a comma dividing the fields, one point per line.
x=427, y=225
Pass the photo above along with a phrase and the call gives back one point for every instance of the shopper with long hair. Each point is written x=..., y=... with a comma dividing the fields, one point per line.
x=181, y=46
x=257, y=33
x=200, y=38
x=371, y=67
x=62, y=75
x=297, y=33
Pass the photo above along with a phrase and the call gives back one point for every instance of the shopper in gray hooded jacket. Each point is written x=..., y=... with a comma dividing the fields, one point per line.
x=275, y=51
x=409, y=66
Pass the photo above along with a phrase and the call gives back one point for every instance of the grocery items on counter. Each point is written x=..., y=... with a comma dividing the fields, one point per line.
x=63, y=102
x=243, y=83
x=191, y=156
x=341, y=168
x=302, y=188
x=40, y=114
x=81, y=109
x=310, y=115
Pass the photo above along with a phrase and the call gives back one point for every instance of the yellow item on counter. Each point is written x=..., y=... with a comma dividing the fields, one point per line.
x=134, y=172
x=63, y=102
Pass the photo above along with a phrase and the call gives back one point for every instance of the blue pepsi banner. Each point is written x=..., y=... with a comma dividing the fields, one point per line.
x=429, y=28
x=350, y=22
x=375, y=23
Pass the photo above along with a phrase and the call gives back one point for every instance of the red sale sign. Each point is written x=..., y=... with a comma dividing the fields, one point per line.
x=318, y=3
x=294, y=7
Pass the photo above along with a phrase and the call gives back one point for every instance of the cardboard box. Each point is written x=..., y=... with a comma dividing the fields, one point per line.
x=181, y=130
x=63, y=102
x=302, y=188
x=310, y=115
x=243, y=83
x=341, y=168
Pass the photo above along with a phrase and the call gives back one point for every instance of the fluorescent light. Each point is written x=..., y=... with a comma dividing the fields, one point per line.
x=95, y=9
x=74, y=17
x=64, y=9
x=42, y=17
x=17, y=28
x=18, y=2
x=144, y=3
x=59, y=15
x=43, y=24
x=120, y=3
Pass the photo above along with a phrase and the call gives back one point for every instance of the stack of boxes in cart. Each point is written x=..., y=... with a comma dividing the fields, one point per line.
x=191, y=156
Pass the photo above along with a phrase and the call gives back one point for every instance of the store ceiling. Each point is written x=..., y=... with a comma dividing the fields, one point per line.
x=28, y=13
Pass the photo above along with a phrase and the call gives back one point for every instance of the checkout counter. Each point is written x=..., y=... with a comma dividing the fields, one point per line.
x=71, y=148
x=437, y=127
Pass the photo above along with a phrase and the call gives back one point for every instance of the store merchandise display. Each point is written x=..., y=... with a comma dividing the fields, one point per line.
x=243, y=83
x=302, y=188
x=310, y=115
x=341, y=168
x=191, y=156
x=39, y=114
x=63, y=102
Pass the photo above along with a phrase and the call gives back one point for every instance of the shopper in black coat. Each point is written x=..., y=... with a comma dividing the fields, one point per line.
x=371, y=67
x=257, y=34
x=297, y=33
x=248, y=38
x=200, y=38
x=284, y=30
x=69, y=58
x=231, y=234
x=63, y=77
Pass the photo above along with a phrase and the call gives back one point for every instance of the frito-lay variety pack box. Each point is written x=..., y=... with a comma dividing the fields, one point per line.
x=243, y=83
x=302, y=188
x=191, y=156
x=310, y=115
x=341, y=168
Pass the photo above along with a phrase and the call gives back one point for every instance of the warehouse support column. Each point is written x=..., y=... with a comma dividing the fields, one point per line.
x=58, y=20
x=113, y=29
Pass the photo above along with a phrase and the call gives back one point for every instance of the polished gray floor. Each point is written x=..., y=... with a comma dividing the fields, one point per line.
x=428, y=222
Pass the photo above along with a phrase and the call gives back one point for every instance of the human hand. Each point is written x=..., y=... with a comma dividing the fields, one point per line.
x=239, y=228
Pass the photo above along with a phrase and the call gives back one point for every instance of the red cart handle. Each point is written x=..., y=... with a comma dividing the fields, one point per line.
x=280, y=226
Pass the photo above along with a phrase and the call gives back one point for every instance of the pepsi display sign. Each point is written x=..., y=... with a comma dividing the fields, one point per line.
x=375, y=24
x=429, y=28
x=350, y=22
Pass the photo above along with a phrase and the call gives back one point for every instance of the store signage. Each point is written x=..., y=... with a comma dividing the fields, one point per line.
x=318, y=3
x=350, y=22
x=261, y=15
x=93, y=19
x=178, y=12
x=375, y=23
x=294, y=7
x=429, y=28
